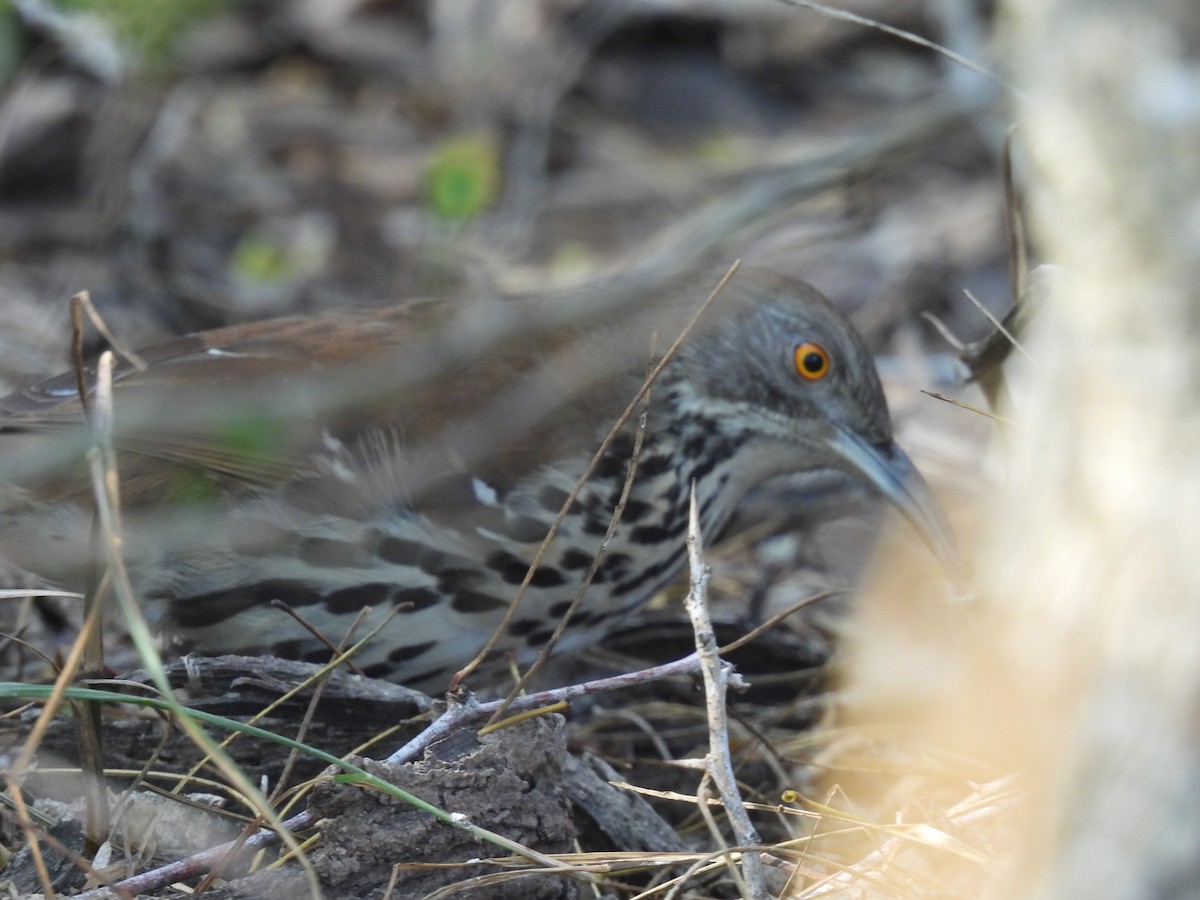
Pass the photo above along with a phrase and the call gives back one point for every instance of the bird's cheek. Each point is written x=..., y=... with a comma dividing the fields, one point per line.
x=803, y=446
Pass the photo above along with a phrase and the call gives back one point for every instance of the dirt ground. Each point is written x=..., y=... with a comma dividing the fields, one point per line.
x=235, y=161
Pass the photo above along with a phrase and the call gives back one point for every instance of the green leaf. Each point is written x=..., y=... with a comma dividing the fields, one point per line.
x=259, y=259
x=150, y=28
x=12, y=46
x=463, y=178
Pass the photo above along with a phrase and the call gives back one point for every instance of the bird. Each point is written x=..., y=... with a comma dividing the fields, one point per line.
x=410, y=461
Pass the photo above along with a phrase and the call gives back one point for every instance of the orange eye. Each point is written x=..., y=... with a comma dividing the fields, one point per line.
x=811, y=361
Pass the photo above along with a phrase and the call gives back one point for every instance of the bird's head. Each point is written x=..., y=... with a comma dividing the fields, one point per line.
x=792, y=384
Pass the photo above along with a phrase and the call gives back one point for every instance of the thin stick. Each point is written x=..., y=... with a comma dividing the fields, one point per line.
x=565, y=619
x=1014, y=221
x=29, y=749
x=102, y=465
x=583, y=479
x=89, y=723
x=716, y=673
x=967, y=406
x=999, y=326
x=904, y=36
x=458, y=714
x=82, y=302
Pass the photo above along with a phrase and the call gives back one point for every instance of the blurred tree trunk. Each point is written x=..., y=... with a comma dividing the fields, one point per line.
x=1095, y=567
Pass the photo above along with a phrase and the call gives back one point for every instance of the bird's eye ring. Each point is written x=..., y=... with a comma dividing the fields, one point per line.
x=811, y=361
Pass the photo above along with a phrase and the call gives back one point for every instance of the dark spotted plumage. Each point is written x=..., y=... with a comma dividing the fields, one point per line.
x=438, y=512
x=351, y=599
x=409, y=652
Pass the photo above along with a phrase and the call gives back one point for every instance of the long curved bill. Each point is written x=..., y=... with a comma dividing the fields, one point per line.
x=890, y=470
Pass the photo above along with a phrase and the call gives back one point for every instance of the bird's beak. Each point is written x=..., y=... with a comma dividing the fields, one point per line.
x=890, y=470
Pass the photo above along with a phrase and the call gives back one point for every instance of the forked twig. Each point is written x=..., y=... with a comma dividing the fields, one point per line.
x=717, y=675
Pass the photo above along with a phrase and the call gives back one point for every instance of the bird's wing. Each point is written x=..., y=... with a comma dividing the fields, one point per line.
x=498, y=388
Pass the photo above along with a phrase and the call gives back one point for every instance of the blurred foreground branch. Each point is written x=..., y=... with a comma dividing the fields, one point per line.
x=1102, y=594
x=1085, y=675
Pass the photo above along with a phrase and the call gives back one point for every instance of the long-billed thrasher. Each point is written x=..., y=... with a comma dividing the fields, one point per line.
x=248, y=475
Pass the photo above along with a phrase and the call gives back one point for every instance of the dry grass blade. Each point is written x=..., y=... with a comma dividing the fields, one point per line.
x=81, y=304
x=565, y=619
x=1014, y=221
x=103, y=468
x=634, y=404
x=29, y=750
x=907, y=36
x=969, y=408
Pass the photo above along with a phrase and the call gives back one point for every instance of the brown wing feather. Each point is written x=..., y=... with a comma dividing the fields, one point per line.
x=498, y=389
x=196, y=403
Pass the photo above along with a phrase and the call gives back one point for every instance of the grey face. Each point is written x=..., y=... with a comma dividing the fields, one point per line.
x=792, y=380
